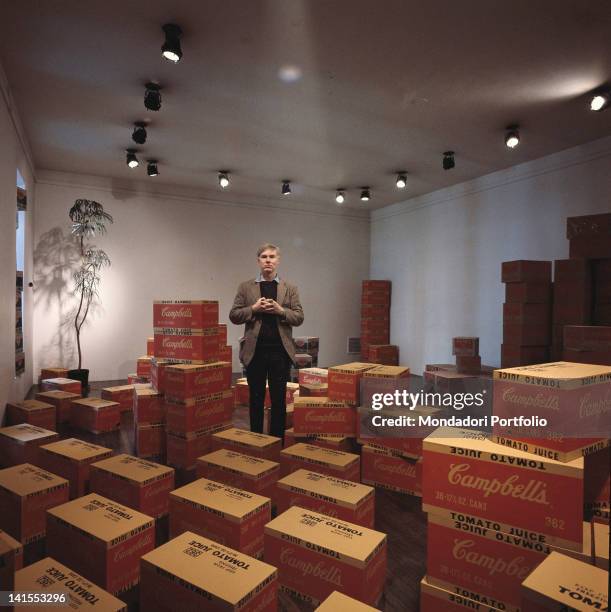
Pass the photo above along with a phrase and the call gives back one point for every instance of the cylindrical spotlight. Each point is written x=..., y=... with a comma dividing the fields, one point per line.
x=171, y=47
x=152, y=96
x=151, y=167
x=512, y=137
x=139, y=133
x=365, y=194
x=448, y=160
x=600, y=101
x=340, y=196
x=401, y=180
x=223, y=179
x=286, y=188
x=130, y=159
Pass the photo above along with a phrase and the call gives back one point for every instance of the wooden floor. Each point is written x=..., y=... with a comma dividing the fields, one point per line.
x=397, y=515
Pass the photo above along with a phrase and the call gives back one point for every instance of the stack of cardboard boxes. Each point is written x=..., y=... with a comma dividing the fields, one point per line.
x=306, y=351
x=526, y=312
x=466, y=351
x=149, y=423
x=375, y=315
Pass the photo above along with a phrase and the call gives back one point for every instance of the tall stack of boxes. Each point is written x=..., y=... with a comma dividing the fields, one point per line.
x=526, y=312
x=375, y=315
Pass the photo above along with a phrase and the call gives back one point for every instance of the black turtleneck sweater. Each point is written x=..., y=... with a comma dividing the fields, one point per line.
x=268, y=334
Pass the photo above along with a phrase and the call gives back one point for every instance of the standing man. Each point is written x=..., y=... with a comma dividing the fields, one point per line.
x=270, y=308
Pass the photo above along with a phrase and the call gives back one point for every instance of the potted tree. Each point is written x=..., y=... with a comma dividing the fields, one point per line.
x=89, y=219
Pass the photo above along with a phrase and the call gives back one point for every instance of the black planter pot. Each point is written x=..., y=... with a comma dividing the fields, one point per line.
x=83, y=376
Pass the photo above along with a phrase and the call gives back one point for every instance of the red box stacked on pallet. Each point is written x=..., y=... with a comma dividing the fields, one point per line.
x=375, y=315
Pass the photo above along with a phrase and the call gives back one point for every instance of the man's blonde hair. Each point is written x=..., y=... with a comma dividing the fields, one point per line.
x=268, y=246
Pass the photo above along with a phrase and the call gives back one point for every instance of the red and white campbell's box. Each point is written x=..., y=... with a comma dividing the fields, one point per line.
x=345, y=380
x=559, y=448
x=100, y=539
x=323, y=460
x=194, y=345
x=150, y=346
x=343, y=499
x=433, y=598
x=185, y=381
x=71, y=459
x=143, y=366
x=480, y=558
x=389, y=469
x=183, y=449
x=95, y=415
x=198, y=413
x=248, y=442
x=333, y=441
x=313, y=376
x=194, y=314
x=465, y=346
x=61, y=400
x=19, y=443
x=148, y=405
x=61, y=384
x=122, y=394
x=238, y=470
x=34, y=412
x=321, y=415
x=232, y=517
x=562, y=583
x=317, y=554
x=149, y=440
x=192, y=572
x=527, y=496
x=158, y=368
x=26, y=493
x=136, y=483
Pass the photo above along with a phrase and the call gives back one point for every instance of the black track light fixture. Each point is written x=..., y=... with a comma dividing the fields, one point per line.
x=365, y=194
x=170, y=49
x=130, y=159
x=151, y=167
x=223, y=179
x=286, y=188
x=448, y=160
x=152, y=96
x=600, y=100
x=340, y=196
x=401, y=182
x=139, y=133
x=512, y=136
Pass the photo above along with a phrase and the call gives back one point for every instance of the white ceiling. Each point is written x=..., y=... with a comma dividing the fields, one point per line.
x=385, y=85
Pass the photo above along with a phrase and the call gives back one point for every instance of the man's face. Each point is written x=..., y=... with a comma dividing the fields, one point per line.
x=268, y=262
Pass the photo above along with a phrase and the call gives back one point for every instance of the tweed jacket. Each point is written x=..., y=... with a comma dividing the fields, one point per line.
x=241, y=312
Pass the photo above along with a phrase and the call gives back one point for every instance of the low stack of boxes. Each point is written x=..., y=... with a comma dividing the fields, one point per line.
x=466, y=351
x=375, y=315
x=306, y=351
x=527, y=312
x=384, y=354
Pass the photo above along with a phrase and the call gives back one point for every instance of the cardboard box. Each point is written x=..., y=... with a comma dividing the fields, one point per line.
x=239, y=470
x=528, y=293
x=465, y=346
x=526, y=271
x=513, y=356
x=195, y=345
x=555, y=447
x=306, y=344
x=191, y=572
x=595, y=545
x=71, y=459
x=322, y=460
x=469, y=365
x=182, y=450
x=333, y=441
x=572, y=271
x=410, y=448
x=527, y=496
x=479, y=558
x=303, y=360
x=247, y=442
x=222, y=327
x=587, y=338
x=198, y=413
x=33, y=412
x=320, y=415
x=194, y=314
x=526, y=314
x=435, y=599
x=344, y=382
x=588, y=226
x=61, y=400
x=133, y=482
x=61, y=384
x=526, y=334
x=561, y=583
x=310, y=390
x=338, y=601
x=134, y=378
x=49, y=577
x=316, y=554
x=123, y=395
x=598, y=247
x=226, y=354
x=597, y=486
x=11, y=560
x=158, y=369
x=568, y=395
x=100, y=539
x=150, y=441
x=52, y=373
x=148, y=406
x=150, y=346
x=95, y=415
x=185, y=381
x=571, y=311
x=232, y=517
x=389, y=469
x=143, y=366
x=343, y=499
x=386, y=354
x=26, y=492
x=19, y=443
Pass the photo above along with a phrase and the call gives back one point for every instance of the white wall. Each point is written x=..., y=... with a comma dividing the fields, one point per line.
x=178, y=247
x=13, y=156
x=443, y=251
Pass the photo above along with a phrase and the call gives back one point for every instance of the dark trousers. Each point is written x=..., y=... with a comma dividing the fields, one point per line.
x=272, y=364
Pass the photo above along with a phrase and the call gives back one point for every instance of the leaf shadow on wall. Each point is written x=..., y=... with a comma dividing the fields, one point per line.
x=56, y=257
